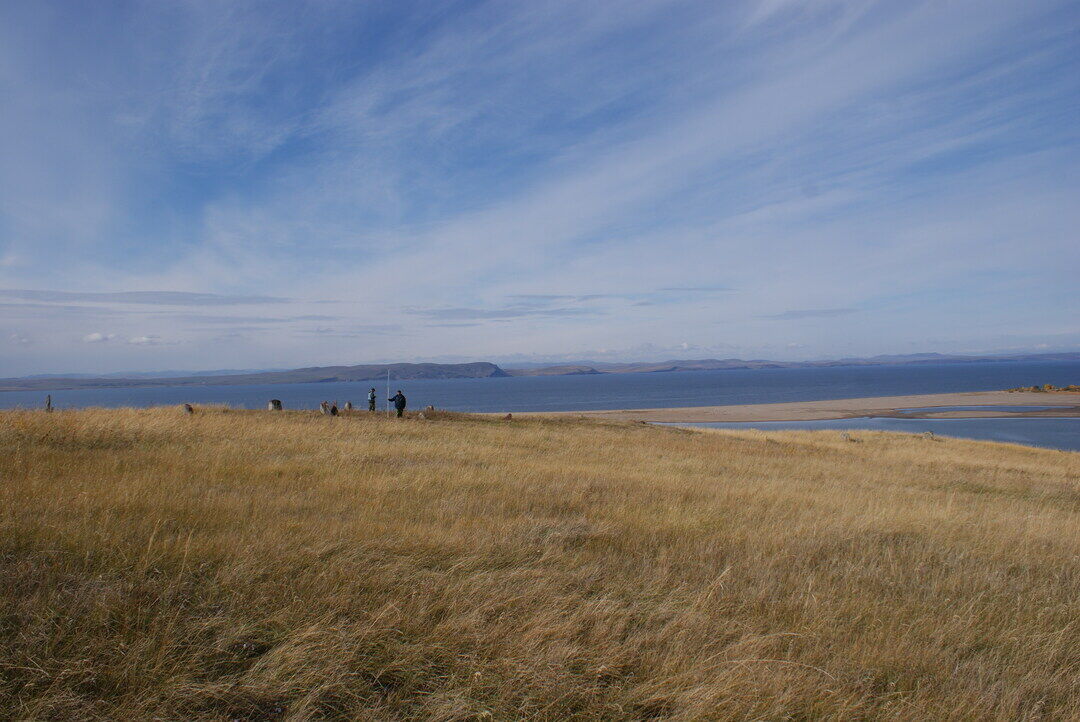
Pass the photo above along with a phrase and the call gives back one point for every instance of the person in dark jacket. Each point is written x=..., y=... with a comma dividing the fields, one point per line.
x=371, y=399
x=399, y=402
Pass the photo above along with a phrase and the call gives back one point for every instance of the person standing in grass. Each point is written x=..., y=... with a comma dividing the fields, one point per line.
x=399, y=402
x=371, y=399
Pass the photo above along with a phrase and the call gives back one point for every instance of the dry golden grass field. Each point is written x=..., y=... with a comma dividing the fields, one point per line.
x=256, y=565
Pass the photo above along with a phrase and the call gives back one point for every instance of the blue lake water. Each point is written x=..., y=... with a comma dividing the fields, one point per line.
x=650, y=390
x=1001, y=409
x=1052, y=433
x=606, y=391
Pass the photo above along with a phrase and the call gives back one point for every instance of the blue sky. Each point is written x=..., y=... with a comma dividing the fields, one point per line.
x=223, y=184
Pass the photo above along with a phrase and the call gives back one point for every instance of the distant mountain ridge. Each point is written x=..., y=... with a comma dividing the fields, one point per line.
x=484, y=369
x=169, y=374
x=675, y=365
x=315, y=374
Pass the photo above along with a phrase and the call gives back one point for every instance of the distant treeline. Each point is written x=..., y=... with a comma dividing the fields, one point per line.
x=1048, y=388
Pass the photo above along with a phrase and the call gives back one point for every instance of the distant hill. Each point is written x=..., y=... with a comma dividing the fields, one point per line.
x=676, y=365
x=566, y=370
x=317, y=374
x=169, y=374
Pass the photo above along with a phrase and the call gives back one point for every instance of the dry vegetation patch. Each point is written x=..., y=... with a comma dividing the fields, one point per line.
x=255, y=565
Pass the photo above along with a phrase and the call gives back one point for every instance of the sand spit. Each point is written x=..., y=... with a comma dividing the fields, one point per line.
x=1069, y=405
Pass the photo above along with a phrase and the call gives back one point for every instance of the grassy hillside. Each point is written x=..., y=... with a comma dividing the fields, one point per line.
x=252, y=565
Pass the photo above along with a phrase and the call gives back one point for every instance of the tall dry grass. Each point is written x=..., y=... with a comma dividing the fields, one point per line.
x=255, y=565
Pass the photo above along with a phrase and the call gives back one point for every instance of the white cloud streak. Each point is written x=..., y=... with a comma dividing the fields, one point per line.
x=545, y=169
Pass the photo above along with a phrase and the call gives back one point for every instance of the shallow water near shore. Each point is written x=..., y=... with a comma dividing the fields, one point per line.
x=1050, y=433
x=996, y=409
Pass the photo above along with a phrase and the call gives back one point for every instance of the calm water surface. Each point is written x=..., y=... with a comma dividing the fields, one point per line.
x=621, y=391
x=606, y=391
x=1060, y=433
x=999, y=409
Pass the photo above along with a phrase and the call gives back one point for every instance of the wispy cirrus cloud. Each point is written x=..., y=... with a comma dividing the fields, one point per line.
x=151, y=298
x=509, y=312
x=360, y=331
x=198, y=318
x=47, y=310
x=672, y=172
x=453, y=325
x=797, y=314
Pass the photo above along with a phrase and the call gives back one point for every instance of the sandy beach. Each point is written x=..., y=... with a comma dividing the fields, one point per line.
x=1066, y=404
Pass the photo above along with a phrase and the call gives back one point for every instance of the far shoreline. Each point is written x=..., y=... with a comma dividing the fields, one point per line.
x=852, y=408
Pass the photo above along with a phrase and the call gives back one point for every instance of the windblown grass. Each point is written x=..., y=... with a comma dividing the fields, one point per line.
x=255, y=565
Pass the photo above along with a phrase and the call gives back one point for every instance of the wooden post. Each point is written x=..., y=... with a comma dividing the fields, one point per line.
x=48, y=402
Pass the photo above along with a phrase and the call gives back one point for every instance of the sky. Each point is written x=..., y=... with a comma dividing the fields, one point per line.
x=210, y=185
